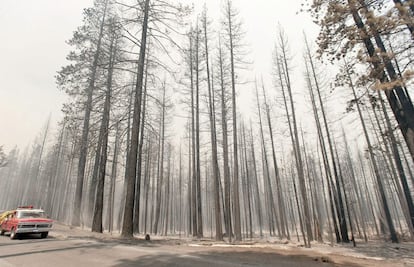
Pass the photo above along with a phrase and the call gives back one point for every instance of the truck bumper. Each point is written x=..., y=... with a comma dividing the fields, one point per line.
x=26, y=229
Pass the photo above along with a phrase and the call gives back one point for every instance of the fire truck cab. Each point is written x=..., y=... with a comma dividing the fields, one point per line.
x=25, y=220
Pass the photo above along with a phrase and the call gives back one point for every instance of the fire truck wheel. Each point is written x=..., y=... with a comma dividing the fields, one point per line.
x=13, y=234
x=44, y=235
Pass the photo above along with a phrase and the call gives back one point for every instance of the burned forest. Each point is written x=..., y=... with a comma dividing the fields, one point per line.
x=170, y=129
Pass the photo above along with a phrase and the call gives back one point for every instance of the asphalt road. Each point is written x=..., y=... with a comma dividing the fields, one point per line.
x=67, y=247
x=82, y=251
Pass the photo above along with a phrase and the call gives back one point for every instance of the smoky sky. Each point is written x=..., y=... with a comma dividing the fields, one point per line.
x=33, y=49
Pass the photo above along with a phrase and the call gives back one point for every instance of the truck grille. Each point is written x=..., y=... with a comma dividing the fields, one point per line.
x=43, y=225
x=28, y=226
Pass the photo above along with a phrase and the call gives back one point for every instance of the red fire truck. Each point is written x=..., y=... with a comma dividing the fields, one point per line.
x=25, y=220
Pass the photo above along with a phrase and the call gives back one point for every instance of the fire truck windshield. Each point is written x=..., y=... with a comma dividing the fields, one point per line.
x=30, y=214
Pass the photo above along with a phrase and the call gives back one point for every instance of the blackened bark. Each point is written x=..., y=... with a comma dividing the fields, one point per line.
x=131, y=167
x=99, y=198
x=76, y=218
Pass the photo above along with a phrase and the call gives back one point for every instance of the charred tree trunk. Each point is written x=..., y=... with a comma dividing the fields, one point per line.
x=379, y=181
x=114, y=167
x=139, y=163
x=160, y=176
x=99, y=198
x=131, y=167
x=213, y=135
x=76, y=217
x=226, y=168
